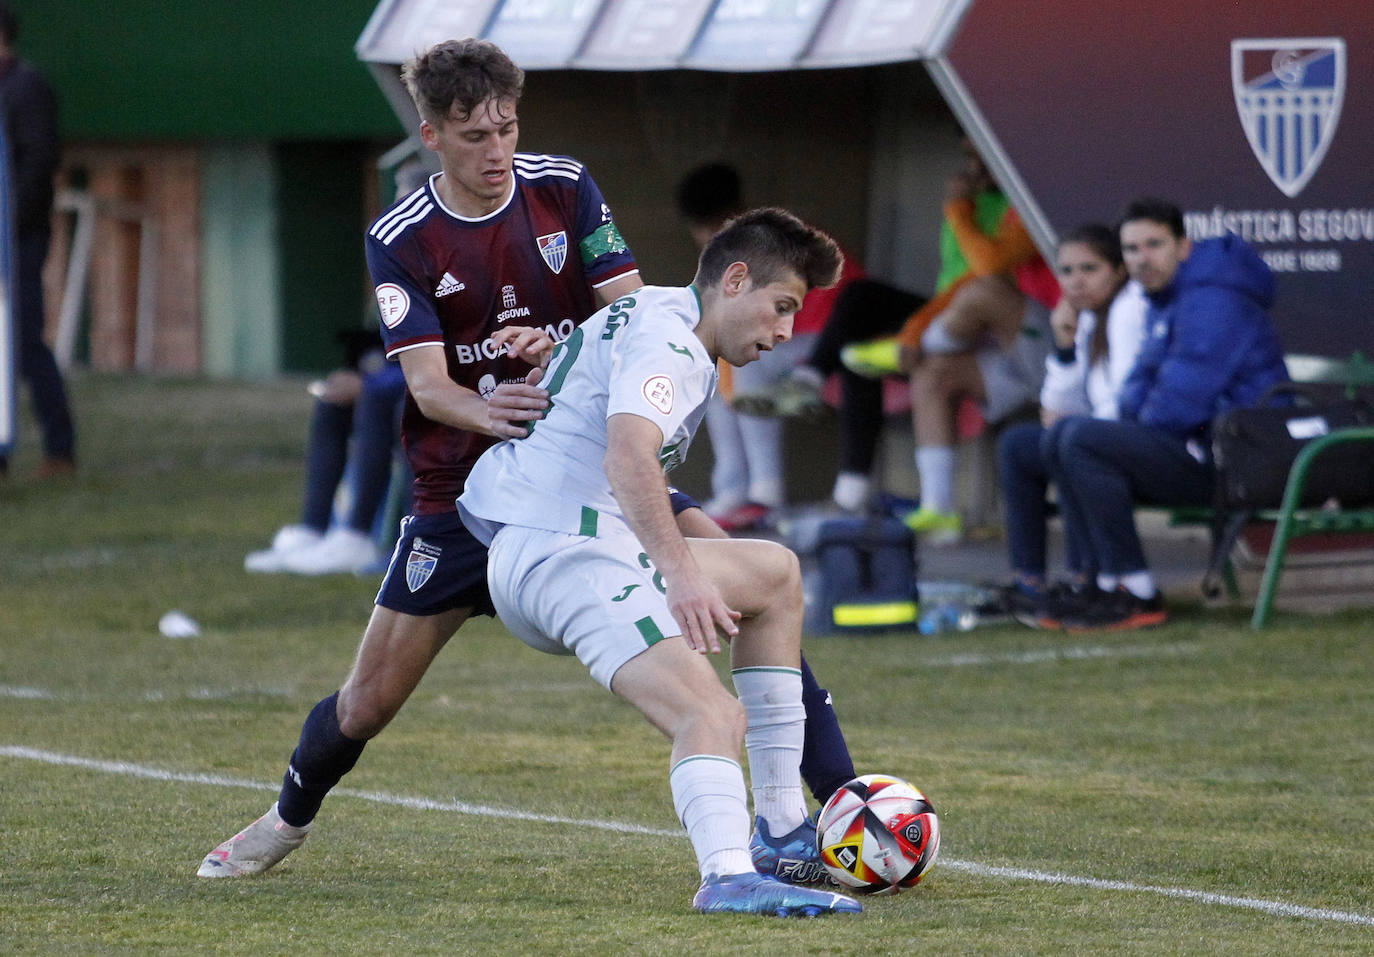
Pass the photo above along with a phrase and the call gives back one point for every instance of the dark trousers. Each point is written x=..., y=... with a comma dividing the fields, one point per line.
x=368, y=430
x=1027, y=462
x=865, y=309
x=37, y=366
x=1106, y=468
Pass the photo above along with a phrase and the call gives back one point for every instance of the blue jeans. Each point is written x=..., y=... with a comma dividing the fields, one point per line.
x=373, y=426
x=1106, y=468
x=1027, y=462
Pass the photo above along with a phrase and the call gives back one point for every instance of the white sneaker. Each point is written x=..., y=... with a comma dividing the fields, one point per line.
x=288, y=539
x=253, y=850
x=341, y=550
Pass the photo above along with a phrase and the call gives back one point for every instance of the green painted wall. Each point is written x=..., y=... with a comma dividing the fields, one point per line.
x=241, y=282
x=321, y=219
x=182, y=69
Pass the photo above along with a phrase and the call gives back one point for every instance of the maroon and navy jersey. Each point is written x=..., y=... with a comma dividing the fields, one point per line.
x=451, y=281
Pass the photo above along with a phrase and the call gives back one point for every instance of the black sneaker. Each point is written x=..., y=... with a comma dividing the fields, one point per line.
x=1066, y=600
x=1118, y=610
x=1020, y=603
x=1045, y=609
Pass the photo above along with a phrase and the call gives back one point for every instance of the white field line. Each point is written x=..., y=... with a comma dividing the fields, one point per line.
x=957, y=660
x=125, y=769
x=1070, y=653
x=204, y=693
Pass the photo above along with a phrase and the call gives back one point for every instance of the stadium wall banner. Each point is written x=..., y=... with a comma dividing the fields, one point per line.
x=1255, y=118
x=9, y=328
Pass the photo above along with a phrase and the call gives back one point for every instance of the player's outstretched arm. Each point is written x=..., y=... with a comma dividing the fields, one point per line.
x=636, y=478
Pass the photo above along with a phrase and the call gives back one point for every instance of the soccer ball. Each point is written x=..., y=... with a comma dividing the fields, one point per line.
x=878, y=834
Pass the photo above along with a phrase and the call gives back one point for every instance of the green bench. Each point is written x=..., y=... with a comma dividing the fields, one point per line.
x=1290, y=519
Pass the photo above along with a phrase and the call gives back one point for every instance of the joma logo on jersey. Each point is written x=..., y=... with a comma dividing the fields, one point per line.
x=468, y=352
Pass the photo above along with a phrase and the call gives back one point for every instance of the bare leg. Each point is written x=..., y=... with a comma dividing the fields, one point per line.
x=936, y=383
x=395, y=653
x=989, y=306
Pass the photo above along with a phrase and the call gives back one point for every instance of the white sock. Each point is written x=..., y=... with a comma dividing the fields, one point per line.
x=935, y=466
x=851, y=491
x=1107, y=582
x=1139, y=584
x=936, y=340
x=710, y=800
x=776, y=725
x=766, y=492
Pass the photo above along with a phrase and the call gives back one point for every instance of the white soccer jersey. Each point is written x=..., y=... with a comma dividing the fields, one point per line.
x=638, y=355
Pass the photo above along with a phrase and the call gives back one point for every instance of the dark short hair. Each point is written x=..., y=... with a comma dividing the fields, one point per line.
x=771, y=242
x=9, y=24
x=1156, y=211
x=1101, y=239
x=463, y=73
x=710, y=194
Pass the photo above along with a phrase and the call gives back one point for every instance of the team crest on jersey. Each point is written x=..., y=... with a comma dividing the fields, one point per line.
x=420, y=564
x=554, y=249
x=1289, y=93
x=658, y=390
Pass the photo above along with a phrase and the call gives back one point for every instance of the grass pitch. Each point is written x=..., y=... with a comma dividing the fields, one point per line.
x=1197, y=789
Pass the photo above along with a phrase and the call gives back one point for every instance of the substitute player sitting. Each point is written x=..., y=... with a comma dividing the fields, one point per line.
x=586, y=558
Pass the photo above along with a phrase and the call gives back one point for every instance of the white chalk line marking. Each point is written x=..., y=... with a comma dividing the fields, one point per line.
x=1070, y=653
x=960, y=660
x=203, y=693
x=1273, y=908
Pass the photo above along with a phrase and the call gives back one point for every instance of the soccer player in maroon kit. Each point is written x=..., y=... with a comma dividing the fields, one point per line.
x=477, y=273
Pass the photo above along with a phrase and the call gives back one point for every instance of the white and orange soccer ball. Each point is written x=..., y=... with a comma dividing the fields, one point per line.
x=877, y=835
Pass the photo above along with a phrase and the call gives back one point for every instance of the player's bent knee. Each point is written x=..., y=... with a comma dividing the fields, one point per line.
x=362, y=716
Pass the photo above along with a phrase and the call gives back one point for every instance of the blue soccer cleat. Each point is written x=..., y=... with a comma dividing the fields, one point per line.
x=756, y=894
x=792, y=858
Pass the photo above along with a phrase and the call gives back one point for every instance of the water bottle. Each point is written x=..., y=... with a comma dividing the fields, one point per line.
x=949, y=606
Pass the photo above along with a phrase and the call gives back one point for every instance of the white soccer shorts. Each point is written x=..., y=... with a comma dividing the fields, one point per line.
x=597, y=598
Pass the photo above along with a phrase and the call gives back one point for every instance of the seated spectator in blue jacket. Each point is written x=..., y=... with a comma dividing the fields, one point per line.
x=1209, y=346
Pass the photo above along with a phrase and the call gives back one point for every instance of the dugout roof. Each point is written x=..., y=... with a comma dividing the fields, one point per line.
x=735, y=35
x=1255, y=118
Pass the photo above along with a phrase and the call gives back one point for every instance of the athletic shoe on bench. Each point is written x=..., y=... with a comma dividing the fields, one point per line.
x=797, y=394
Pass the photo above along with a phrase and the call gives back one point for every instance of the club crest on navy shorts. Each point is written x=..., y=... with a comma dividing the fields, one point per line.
x=420, y=564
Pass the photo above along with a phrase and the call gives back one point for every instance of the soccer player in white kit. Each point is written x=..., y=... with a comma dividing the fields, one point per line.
x=586, y=558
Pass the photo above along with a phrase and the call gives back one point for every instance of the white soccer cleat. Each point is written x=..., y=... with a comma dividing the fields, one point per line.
x=253, y=850
x=342, y=550
x=290, y=538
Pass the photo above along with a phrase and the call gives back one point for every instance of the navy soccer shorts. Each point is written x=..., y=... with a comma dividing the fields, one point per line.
x=437, y=566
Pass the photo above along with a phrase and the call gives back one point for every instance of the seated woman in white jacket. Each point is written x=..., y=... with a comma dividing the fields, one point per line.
x=1097, y=329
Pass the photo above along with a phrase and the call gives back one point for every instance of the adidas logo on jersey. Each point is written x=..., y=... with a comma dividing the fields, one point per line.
x=448, y=286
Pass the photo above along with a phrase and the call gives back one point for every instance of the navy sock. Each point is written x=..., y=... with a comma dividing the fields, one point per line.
x=322, y=757
x=825, y=764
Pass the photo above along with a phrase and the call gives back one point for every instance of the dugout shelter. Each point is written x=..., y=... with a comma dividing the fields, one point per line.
x=1256, y=118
